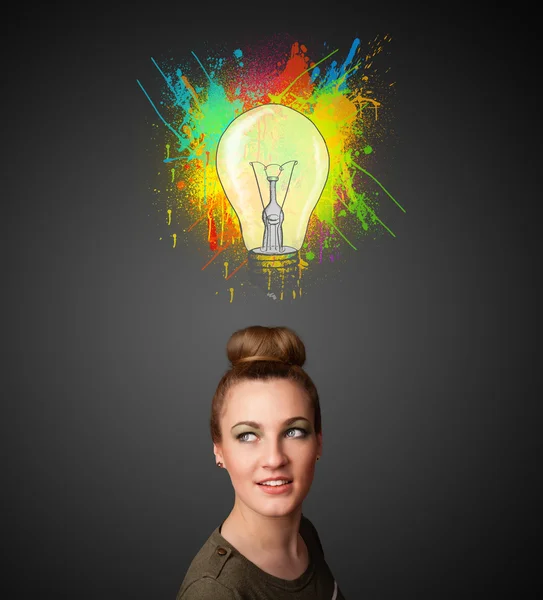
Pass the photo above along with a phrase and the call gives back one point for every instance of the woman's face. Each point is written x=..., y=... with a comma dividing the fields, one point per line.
x=267, y=432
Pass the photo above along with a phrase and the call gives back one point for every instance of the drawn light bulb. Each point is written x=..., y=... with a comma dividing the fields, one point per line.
x=273, y=164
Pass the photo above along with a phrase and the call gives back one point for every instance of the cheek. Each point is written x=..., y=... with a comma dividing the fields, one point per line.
x=309, y=467
x=308, y=462
x=239, y=466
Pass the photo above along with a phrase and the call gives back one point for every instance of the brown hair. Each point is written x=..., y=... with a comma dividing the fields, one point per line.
x=263, y=353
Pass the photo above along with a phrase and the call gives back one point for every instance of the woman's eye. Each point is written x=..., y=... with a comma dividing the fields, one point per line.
x=241, y=436
x=302, y=431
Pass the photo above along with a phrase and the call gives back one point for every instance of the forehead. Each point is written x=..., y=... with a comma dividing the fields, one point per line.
x=270, y=401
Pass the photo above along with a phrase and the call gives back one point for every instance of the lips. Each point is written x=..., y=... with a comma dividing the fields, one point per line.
x=276, y=489
x=278, y=478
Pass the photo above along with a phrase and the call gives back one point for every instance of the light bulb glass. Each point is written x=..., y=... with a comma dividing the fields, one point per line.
x=273, y=164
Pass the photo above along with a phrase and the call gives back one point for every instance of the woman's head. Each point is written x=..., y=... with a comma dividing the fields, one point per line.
x=245, y=349
x=265, y=418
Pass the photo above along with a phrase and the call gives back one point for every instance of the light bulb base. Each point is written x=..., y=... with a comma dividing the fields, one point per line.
x=277, y=274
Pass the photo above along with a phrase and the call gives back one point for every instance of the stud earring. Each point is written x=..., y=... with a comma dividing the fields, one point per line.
x=219, y=464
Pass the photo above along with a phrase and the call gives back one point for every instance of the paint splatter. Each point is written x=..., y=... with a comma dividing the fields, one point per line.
x=341, y=90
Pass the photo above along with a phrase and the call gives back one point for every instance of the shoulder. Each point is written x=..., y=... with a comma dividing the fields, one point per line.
x=205, y=588
x=213, y=573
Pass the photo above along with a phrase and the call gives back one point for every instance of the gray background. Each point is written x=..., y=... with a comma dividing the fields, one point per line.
x=422, y=347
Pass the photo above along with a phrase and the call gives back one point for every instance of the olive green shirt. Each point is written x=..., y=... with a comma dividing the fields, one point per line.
x=220, y=572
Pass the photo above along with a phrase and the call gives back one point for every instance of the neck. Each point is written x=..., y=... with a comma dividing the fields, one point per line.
x=271, y=535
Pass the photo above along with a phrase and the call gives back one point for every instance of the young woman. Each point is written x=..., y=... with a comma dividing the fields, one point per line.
x=266, y=432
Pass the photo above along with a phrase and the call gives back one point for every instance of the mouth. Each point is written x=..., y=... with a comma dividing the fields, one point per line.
x=275, y=489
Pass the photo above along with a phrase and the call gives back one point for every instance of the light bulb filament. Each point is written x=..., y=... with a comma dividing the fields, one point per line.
x=272, y=214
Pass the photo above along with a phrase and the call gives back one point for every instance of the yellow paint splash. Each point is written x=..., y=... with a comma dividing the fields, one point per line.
x=302, y=264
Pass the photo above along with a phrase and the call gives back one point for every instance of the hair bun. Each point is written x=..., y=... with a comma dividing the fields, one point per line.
x=259, y=343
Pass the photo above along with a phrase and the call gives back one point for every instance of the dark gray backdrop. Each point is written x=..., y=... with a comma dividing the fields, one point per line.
x=422, y=346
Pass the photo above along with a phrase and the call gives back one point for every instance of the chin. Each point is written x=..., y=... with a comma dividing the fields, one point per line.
x=276, y=506
x=276, y=511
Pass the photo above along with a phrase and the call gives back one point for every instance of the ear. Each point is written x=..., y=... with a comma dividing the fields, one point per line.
x=218, y=452
x=319, y=443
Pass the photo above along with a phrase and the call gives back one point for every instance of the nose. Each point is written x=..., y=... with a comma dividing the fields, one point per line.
x=274, y=455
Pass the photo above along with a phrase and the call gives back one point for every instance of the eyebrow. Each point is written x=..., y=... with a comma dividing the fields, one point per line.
x=259, y=426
